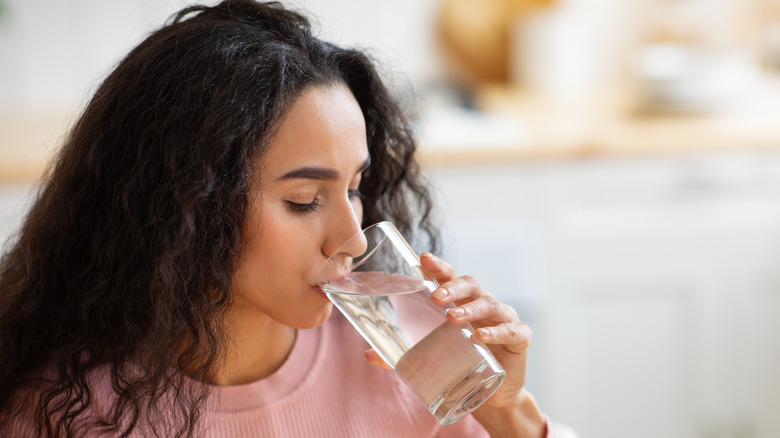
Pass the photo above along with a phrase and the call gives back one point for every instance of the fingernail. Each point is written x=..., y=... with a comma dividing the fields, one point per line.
x=458, y=312
x=427, y=255
x=485, y=332
x=441, y=293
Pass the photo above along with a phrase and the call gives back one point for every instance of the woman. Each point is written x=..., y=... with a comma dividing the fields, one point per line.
x=163, y=283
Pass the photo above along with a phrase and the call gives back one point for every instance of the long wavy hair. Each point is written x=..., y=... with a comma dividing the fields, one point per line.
x=125, y=260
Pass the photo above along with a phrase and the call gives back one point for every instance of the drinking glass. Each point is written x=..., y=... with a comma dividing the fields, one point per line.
x=376, y=281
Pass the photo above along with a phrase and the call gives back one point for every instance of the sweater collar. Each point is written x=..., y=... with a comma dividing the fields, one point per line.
x=297, y=371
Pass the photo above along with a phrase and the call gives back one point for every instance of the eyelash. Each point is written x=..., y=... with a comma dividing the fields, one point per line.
x=304, y=208
x=313, y=206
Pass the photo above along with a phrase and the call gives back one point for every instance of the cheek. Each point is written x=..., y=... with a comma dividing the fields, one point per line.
x=284, y=238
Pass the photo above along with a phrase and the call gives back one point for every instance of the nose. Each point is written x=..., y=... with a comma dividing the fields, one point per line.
x=344, y=240
x=344, y=235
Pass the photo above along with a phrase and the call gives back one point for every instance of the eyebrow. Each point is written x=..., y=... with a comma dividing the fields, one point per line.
x=319, y=173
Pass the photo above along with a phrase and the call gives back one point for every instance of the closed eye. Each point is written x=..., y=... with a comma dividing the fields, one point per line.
x=296, y=207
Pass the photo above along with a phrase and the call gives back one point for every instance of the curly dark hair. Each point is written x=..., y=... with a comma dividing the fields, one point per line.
x=125, y=260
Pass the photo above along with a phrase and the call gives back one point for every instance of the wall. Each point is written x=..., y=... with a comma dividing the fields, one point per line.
x=53, y=53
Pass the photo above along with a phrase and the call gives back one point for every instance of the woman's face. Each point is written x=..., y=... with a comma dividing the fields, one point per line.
x=305, y=206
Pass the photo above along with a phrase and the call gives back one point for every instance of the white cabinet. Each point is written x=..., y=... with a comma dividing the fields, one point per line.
x=652, y=286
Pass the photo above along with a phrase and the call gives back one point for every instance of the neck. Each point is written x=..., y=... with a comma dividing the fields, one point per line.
x=258, y=347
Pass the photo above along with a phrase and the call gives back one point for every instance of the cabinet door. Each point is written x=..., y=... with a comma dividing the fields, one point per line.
x=652, y=287
x=620, y=363
x=664, y=302
x=738, y=392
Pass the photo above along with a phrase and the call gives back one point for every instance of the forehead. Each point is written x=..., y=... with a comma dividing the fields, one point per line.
x=323, y=127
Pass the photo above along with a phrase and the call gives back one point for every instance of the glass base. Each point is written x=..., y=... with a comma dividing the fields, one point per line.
x=468, y=393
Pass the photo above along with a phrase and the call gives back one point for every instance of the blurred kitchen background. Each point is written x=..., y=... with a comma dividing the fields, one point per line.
x=611, y=168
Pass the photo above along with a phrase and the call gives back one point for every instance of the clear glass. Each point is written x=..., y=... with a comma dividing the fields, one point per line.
x=376, y=281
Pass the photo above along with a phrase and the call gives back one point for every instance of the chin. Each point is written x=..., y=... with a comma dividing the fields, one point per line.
x=317, y=319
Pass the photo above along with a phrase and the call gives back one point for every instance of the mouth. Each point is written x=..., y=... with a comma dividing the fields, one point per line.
x=319, y=292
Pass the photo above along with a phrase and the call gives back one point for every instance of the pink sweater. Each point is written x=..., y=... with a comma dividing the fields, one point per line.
x=324, y=389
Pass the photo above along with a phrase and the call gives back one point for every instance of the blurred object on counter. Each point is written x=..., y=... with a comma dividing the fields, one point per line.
x=700, y=56
x=475, y=37
x=677, y=77
x=710, y=23
x=449, y=120
x=575, y=47
x=458, y=128
x=553, y=52
x=770, y=35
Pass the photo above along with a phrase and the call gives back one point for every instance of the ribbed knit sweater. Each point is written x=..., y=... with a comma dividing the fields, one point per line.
x=325, y=388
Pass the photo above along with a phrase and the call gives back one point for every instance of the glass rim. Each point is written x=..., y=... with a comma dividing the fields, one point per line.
x=366, y=254
x=390, y=234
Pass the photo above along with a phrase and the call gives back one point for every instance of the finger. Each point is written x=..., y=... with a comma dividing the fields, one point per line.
x=515, y=337
x=485, y=309
x=436, y=268
x=375, y=359
x=459, y=290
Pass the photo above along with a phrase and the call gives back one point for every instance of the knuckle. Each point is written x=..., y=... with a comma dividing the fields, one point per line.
x=513, y=331
x=492, y=302
x=520, y=335
x=468, y=279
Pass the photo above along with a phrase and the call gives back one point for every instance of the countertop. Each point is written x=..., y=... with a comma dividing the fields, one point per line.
x=612, y=123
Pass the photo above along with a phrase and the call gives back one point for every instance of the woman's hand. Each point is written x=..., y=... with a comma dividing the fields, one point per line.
x=496, y=324
x=511, y=411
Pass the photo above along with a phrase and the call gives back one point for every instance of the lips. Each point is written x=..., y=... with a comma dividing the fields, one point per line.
x=319, y=292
